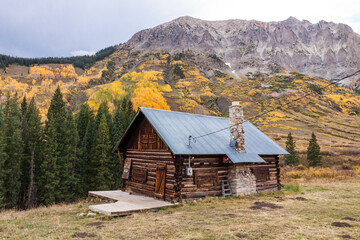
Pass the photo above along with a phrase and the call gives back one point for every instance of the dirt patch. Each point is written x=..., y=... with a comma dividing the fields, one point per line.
x=279, y=199
x=263, y=205
x=300, y=199
x=83, y=235
x=241, y=235
x=96, y=224
x=340, y=224
x=346, y=237
x=350, y=219
x=230, y=215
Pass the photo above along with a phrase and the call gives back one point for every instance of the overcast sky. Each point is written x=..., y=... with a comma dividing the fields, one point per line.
x=41, y=28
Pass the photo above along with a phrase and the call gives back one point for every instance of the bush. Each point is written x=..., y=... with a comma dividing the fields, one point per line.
x=178, y=71
x=356, y=169
x=291, y=187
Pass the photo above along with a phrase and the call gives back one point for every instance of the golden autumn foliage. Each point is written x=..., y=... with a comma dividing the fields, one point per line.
x=62, y=72
x=148, y=97
x=110, y=93
x=147, y=92
x=347, y=104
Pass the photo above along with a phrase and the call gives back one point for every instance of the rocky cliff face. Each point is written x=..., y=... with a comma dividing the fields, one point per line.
x=323, y=49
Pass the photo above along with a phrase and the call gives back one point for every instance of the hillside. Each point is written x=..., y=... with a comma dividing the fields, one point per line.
x=184, y=78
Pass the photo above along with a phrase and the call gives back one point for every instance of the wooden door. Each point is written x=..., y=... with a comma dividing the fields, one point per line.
x=160, y=180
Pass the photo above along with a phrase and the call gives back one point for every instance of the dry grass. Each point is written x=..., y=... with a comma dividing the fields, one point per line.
x=301, y=172
x=211, y=218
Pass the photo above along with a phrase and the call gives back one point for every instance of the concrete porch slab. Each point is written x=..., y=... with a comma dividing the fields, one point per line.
x=126, y=203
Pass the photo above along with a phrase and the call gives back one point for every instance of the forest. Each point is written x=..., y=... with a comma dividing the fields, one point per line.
x=58, y=160
x=77, y=61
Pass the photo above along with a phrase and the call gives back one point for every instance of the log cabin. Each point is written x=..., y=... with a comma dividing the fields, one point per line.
x=172, y=155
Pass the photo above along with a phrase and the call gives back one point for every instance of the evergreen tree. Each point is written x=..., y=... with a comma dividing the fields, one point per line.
x=293, y=157
x=85, y=153
x=119, y=120
x=48, y=179
x=23, y=117
x=313, y=152
x=103, y=111
x=71, y=182
x=3, y=158
x=56, y=151
x=25, y=166
x=13, y=147
x=82, y=120
x=100, y=165
x=34, y=144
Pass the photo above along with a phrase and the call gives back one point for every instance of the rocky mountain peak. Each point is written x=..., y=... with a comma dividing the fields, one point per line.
x=322, y=49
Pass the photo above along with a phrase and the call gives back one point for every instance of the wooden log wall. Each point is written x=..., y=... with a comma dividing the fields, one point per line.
x=271, y=166
x=208, y=171
x=148, y=160
x=145, y=137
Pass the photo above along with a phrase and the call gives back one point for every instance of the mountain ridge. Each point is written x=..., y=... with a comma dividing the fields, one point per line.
x=324, y=49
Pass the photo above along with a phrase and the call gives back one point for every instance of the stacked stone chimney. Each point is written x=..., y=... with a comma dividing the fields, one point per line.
x=237, y=132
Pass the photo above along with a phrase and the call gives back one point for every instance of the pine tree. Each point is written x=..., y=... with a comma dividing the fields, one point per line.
x=55, y=164
x=103, y=111
x=100, y=165
x=85, y=153
x=71, y=183
x=119, y=121
x=34, y=144
x=313, y=152
x=82, y=120
x=25, y=166
x=48, y=179
x=293, y=157
x=13, y=147
x=3, y=158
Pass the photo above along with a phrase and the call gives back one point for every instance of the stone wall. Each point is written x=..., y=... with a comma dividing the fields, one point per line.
x=241, y=180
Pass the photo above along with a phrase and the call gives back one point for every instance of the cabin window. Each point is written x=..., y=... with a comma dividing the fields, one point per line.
x=206, y=178
x=261, y=173
x=148, y=140
x=139, y=174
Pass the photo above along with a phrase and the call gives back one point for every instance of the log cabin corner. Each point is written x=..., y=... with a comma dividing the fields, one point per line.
x=171, y=155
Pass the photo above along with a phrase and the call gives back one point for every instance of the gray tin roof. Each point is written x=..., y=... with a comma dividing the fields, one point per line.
x=175, y=128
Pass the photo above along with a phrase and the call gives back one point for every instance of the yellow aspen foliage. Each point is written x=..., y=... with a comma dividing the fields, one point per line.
x=148, y=97
x=10, y=84
x=347, y=104
x=110, y=93
x=41, y=71
x=187, y=105
x=254, y=92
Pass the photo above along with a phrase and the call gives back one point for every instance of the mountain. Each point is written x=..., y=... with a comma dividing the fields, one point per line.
x=198, y=66
x=324, y=49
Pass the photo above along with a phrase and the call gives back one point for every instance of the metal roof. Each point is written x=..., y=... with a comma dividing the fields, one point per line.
x=175, y=128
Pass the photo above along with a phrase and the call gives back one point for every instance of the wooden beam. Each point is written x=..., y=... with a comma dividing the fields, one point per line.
x=121, y=163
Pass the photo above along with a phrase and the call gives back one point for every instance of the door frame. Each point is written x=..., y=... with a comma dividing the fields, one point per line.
x=160, y=183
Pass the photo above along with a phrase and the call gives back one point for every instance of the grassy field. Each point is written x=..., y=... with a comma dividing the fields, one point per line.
x=308, y=213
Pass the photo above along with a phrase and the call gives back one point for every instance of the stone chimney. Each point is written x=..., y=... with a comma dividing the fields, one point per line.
x=237, y=132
